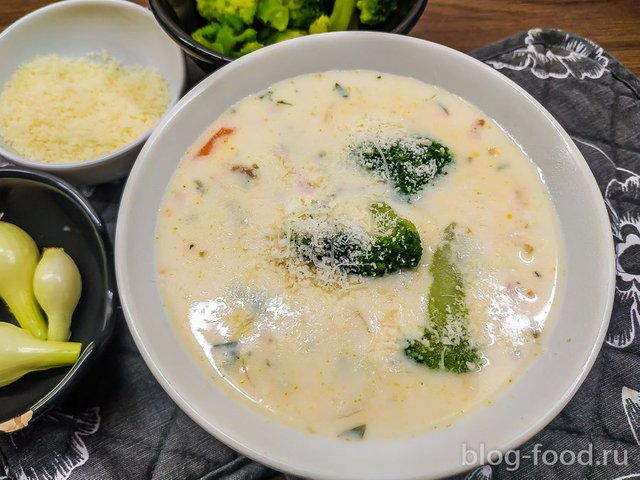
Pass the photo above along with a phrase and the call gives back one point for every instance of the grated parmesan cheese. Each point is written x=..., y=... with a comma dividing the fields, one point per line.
x=310, y=262
x=61, y=110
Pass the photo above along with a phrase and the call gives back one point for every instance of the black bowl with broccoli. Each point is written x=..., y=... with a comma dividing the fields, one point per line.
x=214, y=32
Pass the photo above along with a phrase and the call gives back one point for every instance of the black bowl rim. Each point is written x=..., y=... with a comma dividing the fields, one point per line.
x=202, y=53
x=93, y=348
x=183, y=39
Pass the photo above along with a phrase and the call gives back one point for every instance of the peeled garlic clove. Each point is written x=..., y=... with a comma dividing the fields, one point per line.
x=57, y=286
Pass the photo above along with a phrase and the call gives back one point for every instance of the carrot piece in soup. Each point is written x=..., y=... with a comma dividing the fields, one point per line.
x=206, y=149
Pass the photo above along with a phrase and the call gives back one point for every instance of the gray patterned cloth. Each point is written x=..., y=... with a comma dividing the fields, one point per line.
x=121, y=425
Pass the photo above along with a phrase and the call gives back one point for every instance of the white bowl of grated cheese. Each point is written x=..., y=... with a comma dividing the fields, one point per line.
x=82, y=85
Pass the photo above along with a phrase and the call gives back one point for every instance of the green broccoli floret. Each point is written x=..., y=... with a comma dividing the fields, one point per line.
x=273, y=13
x=218, y=10
x=375, y=12
x=408, y=164
x=341, y=15
x=208, y=36
x=227, y=32
x=302, y=13
x=225, y=38
x=282, y=36
x=320, y=25
x=397, y=246
x=247, y=48
x=340, y=18
x=445, y=344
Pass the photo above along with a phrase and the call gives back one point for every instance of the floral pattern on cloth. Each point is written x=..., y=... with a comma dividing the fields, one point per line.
x=631, y=406
x=481, y=473
x=621, y=193
x=622, y=198
x=66, y=434
x=555, y=54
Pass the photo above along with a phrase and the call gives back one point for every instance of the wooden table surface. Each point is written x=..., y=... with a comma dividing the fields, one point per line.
x=468, y=24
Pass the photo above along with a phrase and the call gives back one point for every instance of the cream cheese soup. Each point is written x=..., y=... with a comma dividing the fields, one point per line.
x=264, y=244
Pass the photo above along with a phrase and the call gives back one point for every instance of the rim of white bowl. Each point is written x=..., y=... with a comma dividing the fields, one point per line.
x=532, y=425
x=17, y=159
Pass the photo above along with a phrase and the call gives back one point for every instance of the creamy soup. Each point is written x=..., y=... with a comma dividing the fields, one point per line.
x=322, y=346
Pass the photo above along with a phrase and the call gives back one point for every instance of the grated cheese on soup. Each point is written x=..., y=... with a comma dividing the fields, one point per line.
x=316, y=223
x=60, y=110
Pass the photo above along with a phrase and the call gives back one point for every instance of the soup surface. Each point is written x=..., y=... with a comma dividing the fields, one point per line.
x=320, y=346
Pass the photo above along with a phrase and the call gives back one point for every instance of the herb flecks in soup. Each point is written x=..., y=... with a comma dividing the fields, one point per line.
x=346, y=290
